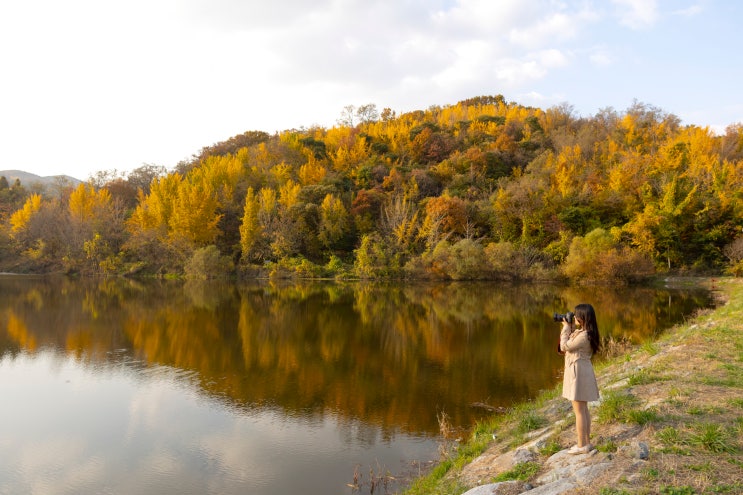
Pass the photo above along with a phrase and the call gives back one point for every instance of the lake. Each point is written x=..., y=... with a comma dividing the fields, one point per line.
x=130, y=387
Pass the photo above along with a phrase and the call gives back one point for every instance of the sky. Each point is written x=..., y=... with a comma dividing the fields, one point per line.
x=102, y=85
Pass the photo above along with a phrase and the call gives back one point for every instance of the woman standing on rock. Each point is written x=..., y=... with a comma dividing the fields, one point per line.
x=580, y=343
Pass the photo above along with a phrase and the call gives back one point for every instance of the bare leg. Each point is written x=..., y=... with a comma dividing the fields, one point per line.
x=582, y=422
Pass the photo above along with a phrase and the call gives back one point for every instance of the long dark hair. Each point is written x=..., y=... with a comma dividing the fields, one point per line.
x=586, y=314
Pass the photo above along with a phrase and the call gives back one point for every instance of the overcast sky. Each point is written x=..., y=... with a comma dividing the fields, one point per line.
x=91, y=85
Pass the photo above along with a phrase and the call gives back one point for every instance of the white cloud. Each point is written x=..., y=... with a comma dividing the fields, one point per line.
x=556, y=27
x=552, y=58
x=221, y=15
x=637, y=14
x=114, y=85
x=599, y=57
x=691, y=10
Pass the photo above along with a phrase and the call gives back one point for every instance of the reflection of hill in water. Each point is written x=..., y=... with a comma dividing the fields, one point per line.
x=389, y=355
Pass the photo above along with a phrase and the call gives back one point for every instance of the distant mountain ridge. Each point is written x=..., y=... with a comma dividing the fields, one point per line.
x=27, y=178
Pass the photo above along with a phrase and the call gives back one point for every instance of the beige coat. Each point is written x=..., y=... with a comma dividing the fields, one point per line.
x=579, y=381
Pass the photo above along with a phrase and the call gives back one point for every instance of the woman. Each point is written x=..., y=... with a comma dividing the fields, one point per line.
x=579, y=383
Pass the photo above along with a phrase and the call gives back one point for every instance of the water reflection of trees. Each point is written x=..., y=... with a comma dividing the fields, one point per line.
x=392, y=355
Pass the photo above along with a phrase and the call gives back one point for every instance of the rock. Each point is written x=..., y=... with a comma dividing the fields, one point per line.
x=616, y=385
x=492, y=488
x=554, y=488
x=643, y=451
x=488, y=465
x=635, y=450
x=522, y=455
x=537, y=442
x=564, y=472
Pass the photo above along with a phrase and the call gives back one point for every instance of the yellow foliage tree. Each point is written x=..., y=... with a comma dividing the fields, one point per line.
x=312, y=172
x=86, y=204
x=567, y=166
x=289, y=194
x=250, y=228
x=19, y=220
x=333, y=220
x=347, y=157
x=154, y=211
x=195, y=213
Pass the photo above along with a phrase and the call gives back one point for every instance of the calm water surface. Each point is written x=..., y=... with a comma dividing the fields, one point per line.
x=125, y=387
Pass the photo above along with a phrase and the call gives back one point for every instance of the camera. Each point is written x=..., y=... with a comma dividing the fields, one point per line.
x=567, y=317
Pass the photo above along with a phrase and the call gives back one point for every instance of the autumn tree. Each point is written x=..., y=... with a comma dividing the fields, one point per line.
x=475, y=181
x=333, y=221
x=96, y=225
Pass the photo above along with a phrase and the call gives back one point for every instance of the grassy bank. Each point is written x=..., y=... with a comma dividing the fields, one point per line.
x=681, y=395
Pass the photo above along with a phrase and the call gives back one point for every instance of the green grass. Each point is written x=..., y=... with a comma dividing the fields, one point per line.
x=641, y=417
x=623, y=407
x=651, y=473
x=650, y=347
x=701, y=468
x=677, y=490
x=677, y=392
x=613, y=491
x=616, y=406
x=708, y=436
x=607, y=446
x=725, y=488
x=643, y=377
x=695, y=411
x=669, y=436
x=520, y=472
x=436, y=483
x=673, y=442
x=713, y=437
x=551, y=447
x=531, y=421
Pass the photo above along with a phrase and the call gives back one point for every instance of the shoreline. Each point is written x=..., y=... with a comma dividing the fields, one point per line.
x=669, y=420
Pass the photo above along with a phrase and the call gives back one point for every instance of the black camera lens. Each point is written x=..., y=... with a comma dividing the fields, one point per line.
x=567, y=317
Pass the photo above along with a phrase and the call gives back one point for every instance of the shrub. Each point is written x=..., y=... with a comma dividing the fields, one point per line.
x=463, y=260
x=374, y=258
x=734, y=252
x=501, y=258
x=509, y=262
x=207, y=263
x=466, y=260
x=597, y=257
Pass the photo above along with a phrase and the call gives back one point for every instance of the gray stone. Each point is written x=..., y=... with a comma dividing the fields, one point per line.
x=635, y=450
x=522, y=456
x=488, y=465
x=554, y=488
x=491, y=489
x=643, y=451
x=563, y=471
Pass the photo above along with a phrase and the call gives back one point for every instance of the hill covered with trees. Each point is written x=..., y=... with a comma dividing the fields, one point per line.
x=480, y=189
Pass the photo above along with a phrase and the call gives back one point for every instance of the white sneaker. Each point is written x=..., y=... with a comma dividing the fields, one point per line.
x=580, y=450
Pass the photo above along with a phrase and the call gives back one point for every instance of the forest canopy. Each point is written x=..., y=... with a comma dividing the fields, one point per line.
x=480, y=189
